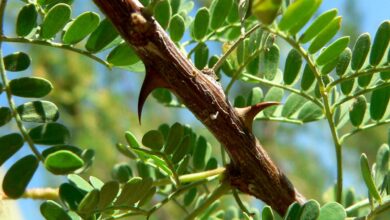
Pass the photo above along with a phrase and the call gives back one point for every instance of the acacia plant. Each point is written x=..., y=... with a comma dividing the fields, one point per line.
x=322, y=79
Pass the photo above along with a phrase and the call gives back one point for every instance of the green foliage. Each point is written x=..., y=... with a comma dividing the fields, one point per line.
x=344, y=87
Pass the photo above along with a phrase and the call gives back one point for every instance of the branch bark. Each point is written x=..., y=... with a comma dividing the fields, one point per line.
x=252, y=171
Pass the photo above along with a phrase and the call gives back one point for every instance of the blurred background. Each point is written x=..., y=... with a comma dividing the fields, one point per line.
x=98, y=105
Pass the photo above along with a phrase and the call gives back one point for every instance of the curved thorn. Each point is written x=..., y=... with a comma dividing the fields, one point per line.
x=247, y=114
x=151, y=82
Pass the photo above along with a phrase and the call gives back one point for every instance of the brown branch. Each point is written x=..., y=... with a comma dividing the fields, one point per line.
x=251, y=171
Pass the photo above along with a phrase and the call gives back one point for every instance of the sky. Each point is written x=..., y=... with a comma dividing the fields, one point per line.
x=373, y=12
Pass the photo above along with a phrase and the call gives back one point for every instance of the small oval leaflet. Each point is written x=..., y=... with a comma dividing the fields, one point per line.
x=255, y=96
x=201, y=24
x=295, y=12
x=108, y=193
x=50, y=134
x=343, y=62
x=122, y=55
x=266, y=11
x=38, y=111
x=307, y=16
x=325, y=35
x=347, y=86
x=293, y=103
x=333, y=211
x=201, y=56
x=55, y=19
x=190, y=196
x=89, y=202
x=53, y=211
x=5, y=115
x=19, y=175
x=132, y=140
x=219, y=10
x=368, y=179
x=307, y=78
x=360, y=51
x=318, y=24
x=176, y=28
x=30, y=87
x=333, y=51
x=129, y=191
x=70, y=195
x=17, y=61
x=310, y=112
x=292, y=67
x=102, y=37
x=379, y=103
x=274, y=94
x=181, y=149
x=121, y=172
x=267, y=214
x=153, y=139
x=381, y=41
x=10, y=144
x=270, y=62
x=357, y=111
x=162, y=13
x=201, y=154
x=27, y=20
x=83, y=25
x=63, y=162
x=310, y=210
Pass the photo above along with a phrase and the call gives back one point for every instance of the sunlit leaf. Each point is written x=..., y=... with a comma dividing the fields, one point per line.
x=292, y=67
x=367, y=177
x=55, y=19
x=332, y=211
x=219, y=10
x=102, y=37
x=201, y=23
x=63, y=162
x=381, y=41
x=201, y=56
x=27, y=20
x=176, y=28
x=53, y=211
x=122, y=55
x=318, y=24
x=333, y=51
x=325, y=35
x=266, y=10
x=310, y=210
x=163, y=13
x=89, y=202
x=38, y=111
x=81, y=27
x=296, y=12
x=360, y=51
x=343, y=62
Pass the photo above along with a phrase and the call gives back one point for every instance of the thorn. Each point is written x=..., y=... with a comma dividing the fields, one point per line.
x=151, y=82
x=247, y=114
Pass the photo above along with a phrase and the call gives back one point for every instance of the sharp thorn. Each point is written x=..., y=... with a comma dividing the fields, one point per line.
x=247, y=114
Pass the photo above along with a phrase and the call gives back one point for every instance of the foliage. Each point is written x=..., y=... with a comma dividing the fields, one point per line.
x=323, y=79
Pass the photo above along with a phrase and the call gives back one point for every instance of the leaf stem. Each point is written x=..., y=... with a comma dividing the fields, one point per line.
x=326, y=107
x=240, y=203
x=11, y=102
x=54, y=45
x=365, y=203
x=357, y=130
x=221, y=60
x=215, y=195
x=193, y=177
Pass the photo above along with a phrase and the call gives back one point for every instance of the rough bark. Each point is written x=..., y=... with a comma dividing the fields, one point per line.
x=251, y=171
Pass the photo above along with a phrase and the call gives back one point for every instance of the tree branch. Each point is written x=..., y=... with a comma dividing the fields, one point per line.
x=251, y=171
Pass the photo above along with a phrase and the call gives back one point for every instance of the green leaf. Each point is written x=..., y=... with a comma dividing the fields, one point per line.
x=212, y=164
x=70, y=195
x=190, y=196
x=201, y=56
x=63, y=162
x=50, y=134
x=55, y=19
x=266, y=10
x=153, y=139
x=147, y=197
x=292, y=67
x=274, y=94
x=293, y=103
x=325, y=35
x=162, y=95
x=27, y=20
x=332, y=211
x=144, y=170
x=101, y=37
x=10, y=144
x=122, y=55
x=307, y=78
x=60, y=147
x=308, y=15
x=175, y=5
x=381, y=41
x=51, y=3
x=293, y=211
x=357, y=111
x=318, y=24
x=310, y=210
x=5, y=115
x=30, y=87
x=367, y=177
x=18, y=61
x=296, y=12
x=267, y=214
x=89, y=202
x=379, y=103
x=333, y=51
x=174, y=137
x=329, y=67
x=360, y=51
x=83, y=25
x=130, y=191
x=181, y=150
x=38, y=111
x=343, y=62
x=163, y=13
x=201, y=24
x=19, y=175
x=201, y=154
x=132, y=140
x=310, y=112
x=182, y=167
x=255, y=96
x=121, y=172
x=177, y=28
x=53, y=211
x=270, y=63
x=108, y=193
x=80, y=183
x=347, y=86
x=219, y=10
x=364, y=81
x=164, y=129
x=382, y=166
